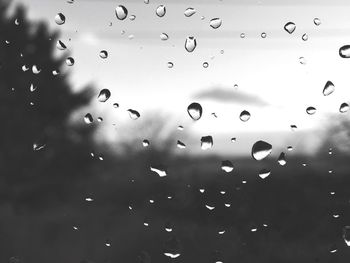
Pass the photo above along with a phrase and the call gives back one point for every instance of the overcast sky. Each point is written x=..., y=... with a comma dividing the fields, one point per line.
x=272, y=83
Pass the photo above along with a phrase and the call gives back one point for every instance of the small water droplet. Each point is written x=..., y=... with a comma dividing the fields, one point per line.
x=32, y=88
x=17, y=22
x=104, y=95
x=227, y=166
x=344, y=107
x=195, y=111
x=115, y=105
x=103, y=54
x=70, y=61
x=146, y=2
x=190, y=44
x=328, y=88
x=35, y=69
x=89, y=199
x=209, y=207
x=88, y=118
x=38, y=145
x=264, y=173
x=164, y=36
x=282, y=159
x=180, y=145
x=121, y=12
x=244, y=116
x=261, y=150
x=161, y=10
x=206, y=142
x=344, y=51
x=145, y=143
x=60, y=19
x=263, y=35
x=317, y=21
x=290, y=27
x=346, y=235
x=170, y=64
x=132, y=17
x=172, y=248
x=133, y=114
x=305, y=37
x=242, y=35
x=189, y=12
x=60, y=45
x=160, y=170
x=215, y=23
x=205, y=64
x=310, y=110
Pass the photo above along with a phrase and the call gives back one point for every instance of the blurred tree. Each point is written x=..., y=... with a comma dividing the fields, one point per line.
x=37, y=118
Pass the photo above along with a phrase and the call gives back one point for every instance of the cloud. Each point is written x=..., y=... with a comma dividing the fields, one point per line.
x=230, y=95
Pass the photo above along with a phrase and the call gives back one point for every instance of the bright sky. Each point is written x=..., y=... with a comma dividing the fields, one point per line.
x=272, y=84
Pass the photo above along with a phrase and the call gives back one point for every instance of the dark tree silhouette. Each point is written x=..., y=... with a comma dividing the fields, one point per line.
x=37, y=119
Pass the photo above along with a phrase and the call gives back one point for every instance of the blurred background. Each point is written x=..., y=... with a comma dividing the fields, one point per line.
x=103, y=157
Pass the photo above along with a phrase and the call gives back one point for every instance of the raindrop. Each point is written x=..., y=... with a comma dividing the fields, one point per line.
x=160, y=170
x=170, y=64
x=164, y=36
x=290, y=148
x=60, y=19
x=70, y=61
x=195, y=111
x=103, y=54
x=180, y=145
x=25, y=68
x=35, y=69
x=344, y=107
x=134, y=115
x=88, y=118
x=172, y=248
x=206, y=142
x=17, y=22
x=115, y=105
x=328, y=88
x=290, y=27
x=261, y=150
x=209, y=207
x=344, y=51
x=121, y=12
x=60, y=45
x=160, y=11
x=346, y=235
x=317, y=21
x=132, y=17
x=215, y=23
x=89, y=199
x=32, y=88
x=180, y=128
x=293, y=127
x=310, y=110
x=305, y=37
x=263, y=35
x=145, y=143
x=146, y=2
x=244, y=116
x=189, y=12
x=227, y=166
x=205, y=64
x=242, y=35
x=190, y=44
x=302, y=60
x=38, y=145
x=282, y=159
x=104, y=95
x=264, y=173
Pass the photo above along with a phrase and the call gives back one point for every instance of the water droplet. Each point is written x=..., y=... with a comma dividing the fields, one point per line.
x=317, y=21
x=88, y=118
x=293, y=127
x=206, y=142
x=190, y=44
x=181, y=145
x=205, y=64
x=161, y=10
x=290, y=148
x=164, y=36
x=242, y=35
x=263, y=35
x=89, y=199
x=35, y=69
x=215, y=23
x=60, y=45
x=17, y=22
x=189, y=12
x=344, y=107
x=145, y=143
x=261, y=150
x=115, y=105
x=310, y=110
x=38, y=145
x=25, y=68
x=180, y=128
x=344, y=51
x=305, y=37
x=209, y=207
x=233, y=139
x=264, y=173
x=170, y=64
x=328, y=88
x=244, y=116
x=134, y=115
x=132, y=17
x=302, y=61
x=282, y=159
x=195, y=111
x=60, y=19
x=290, y=27
x=103, y=54
x=104, y=95
x=121, y=12
x=70, y=61
x=146, y=2
x=172, y=248
x=227, y=166
x=160, y=170
x=346, y=235
x=32, y=88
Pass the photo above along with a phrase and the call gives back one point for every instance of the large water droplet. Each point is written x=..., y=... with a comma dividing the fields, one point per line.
x=261, y=150
x=161, y=10
x=206, y=142
x=227, y=166
x=344, y=51
x=310, y=110
x=244, y=116
x=290, y=27
x=88, y=118
x=121, y=12
x=104, y=95
x=346, y=235
x=344, y=107
x=195, y=111
x=159, y=169
x=328, y=88
x=189, y=12
x=215, y=23
x=282, y=159
x=134, y=115
x=190, y=44
x=60, y=19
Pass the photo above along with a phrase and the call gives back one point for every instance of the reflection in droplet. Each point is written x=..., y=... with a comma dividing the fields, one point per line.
x=244, y=116
x=264, y=173
x=134, y=115
x=189, y=12
x=290, y=27
x=261, y=150
x=310, y=110
x=195, y=111
x=121, y=12
x=206, y=142
x=242, y=35
x=161, y=10
x=344, y=51
x=88, y=118
x=60, y=19
x=104, y=95
x=190, y=44
x=70, y=61
x=215, y=23
x=227, y=166
x=282, y=159
x=103, y=54
x=317, y=21
x=328, y=88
